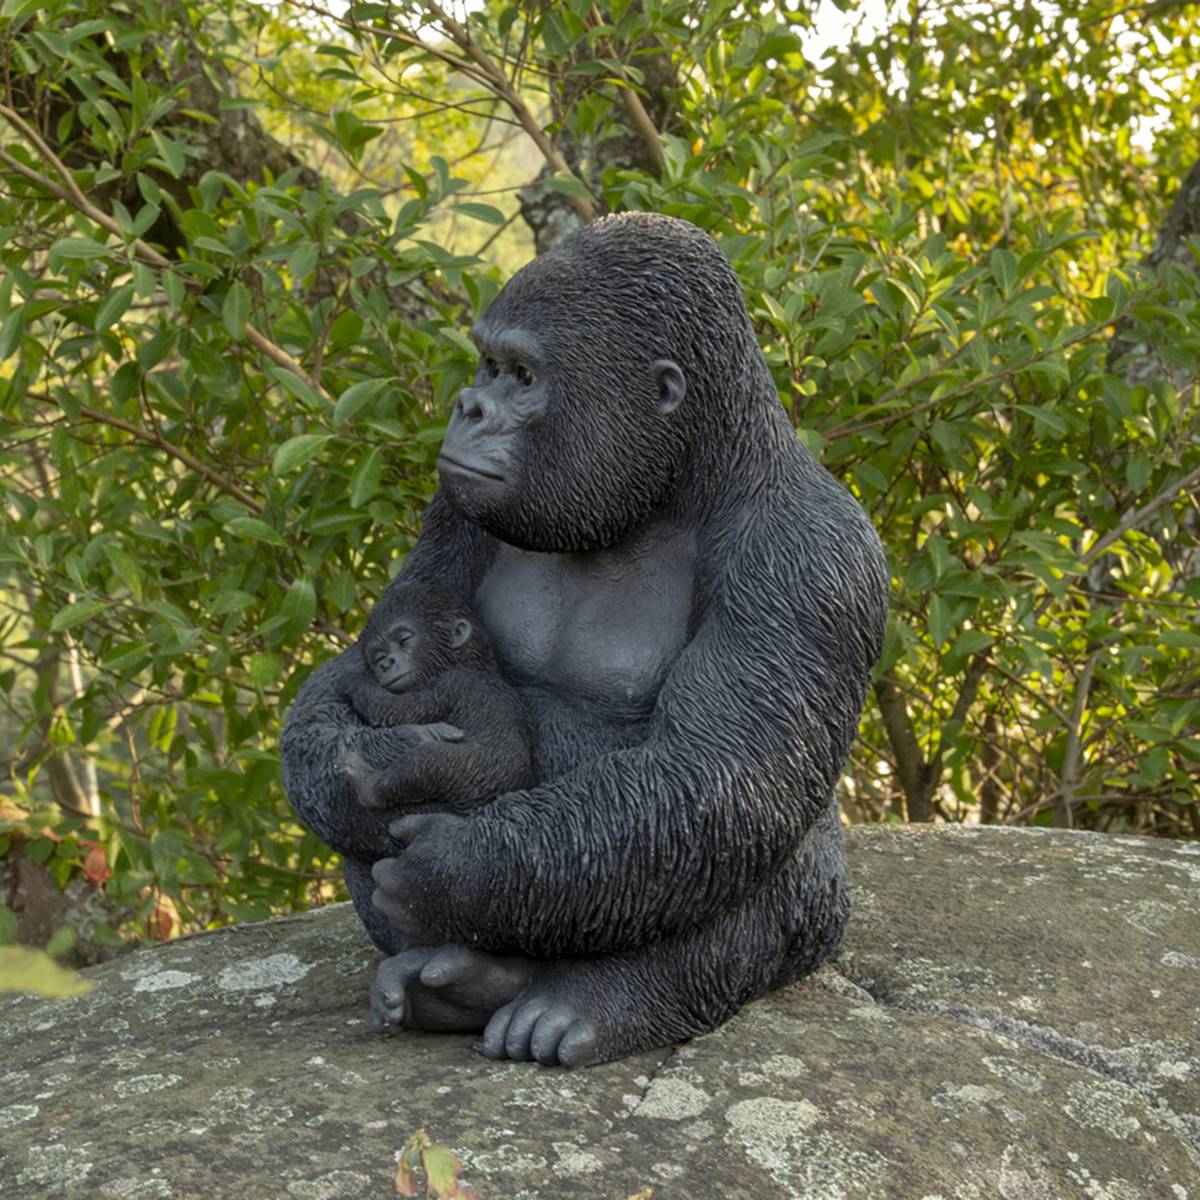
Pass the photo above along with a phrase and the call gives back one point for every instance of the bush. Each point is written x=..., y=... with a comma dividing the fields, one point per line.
x=225, y=376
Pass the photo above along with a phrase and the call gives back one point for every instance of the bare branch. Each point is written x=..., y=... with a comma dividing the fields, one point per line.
x=1135, y=516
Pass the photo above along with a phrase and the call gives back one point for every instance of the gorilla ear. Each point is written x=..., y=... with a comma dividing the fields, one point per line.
x=459, y=633
x=672, y=387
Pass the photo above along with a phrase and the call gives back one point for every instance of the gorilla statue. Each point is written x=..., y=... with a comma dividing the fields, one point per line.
x=428, y=665
x=689, y=606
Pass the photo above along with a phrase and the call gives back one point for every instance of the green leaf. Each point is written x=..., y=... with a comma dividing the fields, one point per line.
x=264, y=669
x=356, y=396
x=76, y=614
x=480, y=212
x=570, y=185
x=1004, y=269
x=298, y=609
x=295, y=452
x=941, y=620
x=79, y=247
x=174, y=288
x=126, y=569
x=1138, y=471
x=253, y=527
x=13, y=331
x=366, y=477
x=969, y=642
x=114, y=308
x=171, y=153
x=235, y=310
x=303, y=260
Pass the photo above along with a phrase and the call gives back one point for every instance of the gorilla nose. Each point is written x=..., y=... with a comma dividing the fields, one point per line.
x=474, y=405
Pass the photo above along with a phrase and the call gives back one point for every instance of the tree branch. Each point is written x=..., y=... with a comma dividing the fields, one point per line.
x=70, y=193
x=639, y=118
x=157, y=440
x=499, y=83
x=1135, y=516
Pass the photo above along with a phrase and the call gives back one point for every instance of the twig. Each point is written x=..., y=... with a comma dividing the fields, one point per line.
x=70, y=193
x=156, y=439
x=1136, y=516
x=499, y=83
x=1069, y=780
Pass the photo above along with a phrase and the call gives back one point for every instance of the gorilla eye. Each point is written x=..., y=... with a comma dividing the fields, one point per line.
x=489, y=365
x=524, y=375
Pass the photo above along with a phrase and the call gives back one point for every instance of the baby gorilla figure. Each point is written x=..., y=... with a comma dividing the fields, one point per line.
x=429, y=665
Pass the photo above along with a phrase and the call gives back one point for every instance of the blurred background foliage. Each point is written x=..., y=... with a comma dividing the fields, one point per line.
x=240, y=245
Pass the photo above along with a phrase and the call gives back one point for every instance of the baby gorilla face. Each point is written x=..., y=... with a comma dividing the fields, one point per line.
x=393, y=655
x=414, y=634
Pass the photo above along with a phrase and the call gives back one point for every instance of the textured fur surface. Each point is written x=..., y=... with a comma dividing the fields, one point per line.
x=450, y=683
x=681, y=853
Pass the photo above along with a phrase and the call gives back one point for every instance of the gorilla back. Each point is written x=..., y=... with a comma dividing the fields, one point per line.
x=690, y=606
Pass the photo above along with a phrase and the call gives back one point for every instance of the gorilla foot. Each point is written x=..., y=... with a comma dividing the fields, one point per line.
x=444, y=988
x=539, y=1027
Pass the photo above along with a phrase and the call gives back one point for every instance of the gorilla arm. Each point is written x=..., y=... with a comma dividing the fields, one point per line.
x=749, y=734
x=377, y=706
x=322, y=727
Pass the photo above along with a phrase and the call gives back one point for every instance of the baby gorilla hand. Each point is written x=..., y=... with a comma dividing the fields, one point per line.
x=443, y=988
x=415, y=887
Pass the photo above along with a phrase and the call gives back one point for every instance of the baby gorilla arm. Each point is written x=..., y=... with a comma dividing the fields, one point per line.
x=377, y=706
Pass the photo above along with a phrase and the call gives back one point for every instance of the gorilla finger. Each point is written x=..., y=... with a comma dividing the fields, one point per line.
x=520, y=1030
x=448, y=966
x=388, y=873
x=494, y=1034
x=548, y=1032
x=408, y=829
x=578, y=1045
x=387, y=1009
x=446, y=733
x=395, y=974
x=385, y=1017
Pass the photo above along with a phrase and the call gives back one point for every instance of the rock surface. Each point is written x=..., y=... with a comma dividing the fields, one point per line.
x=1015, y=1014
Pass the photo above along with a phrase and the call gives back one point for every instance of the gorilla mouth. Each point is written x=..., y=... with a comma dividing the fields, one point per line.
x=455, y=467
x=395, y=683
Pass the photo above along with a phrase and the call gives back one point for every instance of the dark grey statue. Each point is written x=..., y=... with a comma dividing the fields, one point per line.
x=427, y=664
x=689, y=607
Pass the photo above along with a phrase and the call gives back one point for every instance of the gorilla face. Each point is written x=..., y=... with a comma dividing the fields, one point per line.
x=573, y=433
x=413, y=634
x=480, y=460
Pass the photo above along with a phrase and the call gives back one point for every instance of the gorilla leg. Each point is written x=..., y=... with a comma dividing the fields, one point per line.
x=581, y=1011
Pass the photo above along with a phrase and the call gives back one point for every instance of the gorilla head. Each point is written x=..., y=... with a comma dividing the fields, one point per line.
x=416, y=632
x=605, y=366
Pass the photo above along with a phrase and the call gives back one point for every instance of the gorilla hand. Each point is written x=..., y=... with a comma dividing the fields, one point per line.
x=444, y=988
x=415, y=888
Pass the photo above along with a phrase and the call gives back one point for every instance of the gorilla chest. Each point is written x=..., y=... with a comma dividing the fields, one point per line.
x=601, y=628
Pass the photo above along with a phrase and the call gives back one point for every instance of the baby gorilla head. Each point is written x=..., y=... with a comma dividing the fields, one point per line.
x=416, y=632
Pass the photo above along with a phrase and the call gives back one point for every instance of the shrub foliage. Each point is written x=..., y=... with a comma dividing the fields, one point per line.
x=240, y=247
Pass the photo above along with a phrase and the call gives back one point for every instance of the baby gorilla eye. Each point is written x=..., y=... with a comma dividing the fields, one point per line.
x=489, y=365
x=524, y=375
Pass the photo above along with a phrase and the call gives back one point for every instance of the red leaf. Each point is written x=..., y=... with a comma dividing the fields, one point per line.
x=95, y=865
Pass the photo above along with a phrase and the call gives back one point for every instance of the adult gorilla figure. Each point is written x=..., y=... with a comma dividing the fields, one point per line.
x=690, y=607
